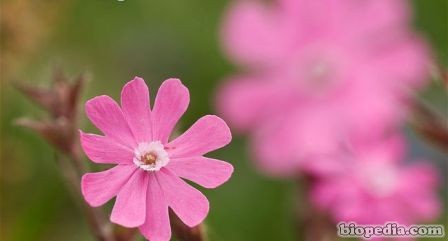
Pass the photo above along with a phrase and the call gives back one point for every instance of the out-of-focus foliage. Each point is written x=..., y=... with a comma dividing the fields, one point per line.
x=113, y=41
x=25, y=25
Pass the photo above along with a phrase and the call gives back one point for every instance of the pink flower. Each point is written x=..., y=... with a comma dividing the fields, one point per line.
x=318, y=71
x=373, y=186
x=147, y=177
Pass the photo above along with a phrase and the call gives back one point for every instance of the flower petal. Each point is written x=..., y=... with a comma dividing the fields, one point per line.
x=190, y=205
x=102, y=149
x=253, y=34
x=98, y=188
x=422, y=173
x=136, y=108
x=130, y=207
x=157, y=225
x=171, y=103
x=207, y=134
x=204, y=171
x=390, y=16
x=425, y=206
x=105, y=113
x=245, y=100
x=405, y=60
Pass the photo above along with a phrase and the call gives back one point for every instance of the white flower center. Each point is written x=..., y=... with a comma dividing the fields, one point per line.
x=320, y=72
x=319, y=75
x=151, y=156
x=379, y=180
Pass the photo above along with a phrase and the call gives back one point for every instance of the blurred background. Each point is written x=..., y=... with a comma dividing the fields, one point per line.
x=111, y=42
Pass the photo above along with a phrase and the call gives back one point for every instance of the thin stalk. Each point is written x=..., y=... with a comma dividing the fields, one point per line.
x=310, y=223
x=185, y=233
x=96, y=220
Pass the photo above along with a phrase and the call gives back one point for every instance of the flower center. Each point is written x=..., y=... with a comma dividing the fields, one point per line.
x=319, y=70
x=319, y=75
x=150, y=156
x=380, y=181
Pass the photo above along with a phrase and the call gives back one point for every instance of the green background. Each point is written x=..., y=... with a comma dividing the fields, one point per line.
x=112, y=42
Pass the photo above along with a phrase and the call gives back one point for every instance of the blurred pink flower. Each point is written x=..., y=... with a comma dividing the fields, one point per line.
x=372, y=186
x=147, y=176
x=318, y=71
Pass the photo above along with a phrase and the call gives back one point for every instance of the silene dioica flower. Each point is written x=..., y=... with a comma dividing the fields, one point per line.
x=147, y=178
x=373, y=185
x=318, y=72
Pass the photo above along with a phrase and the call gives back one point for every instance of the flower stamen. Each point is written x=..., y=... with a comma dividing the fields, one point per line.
x=151, y=156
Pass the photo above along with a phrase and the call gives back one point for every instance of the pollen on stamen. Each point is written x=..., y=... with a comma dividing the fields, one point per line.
x=149, y=158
